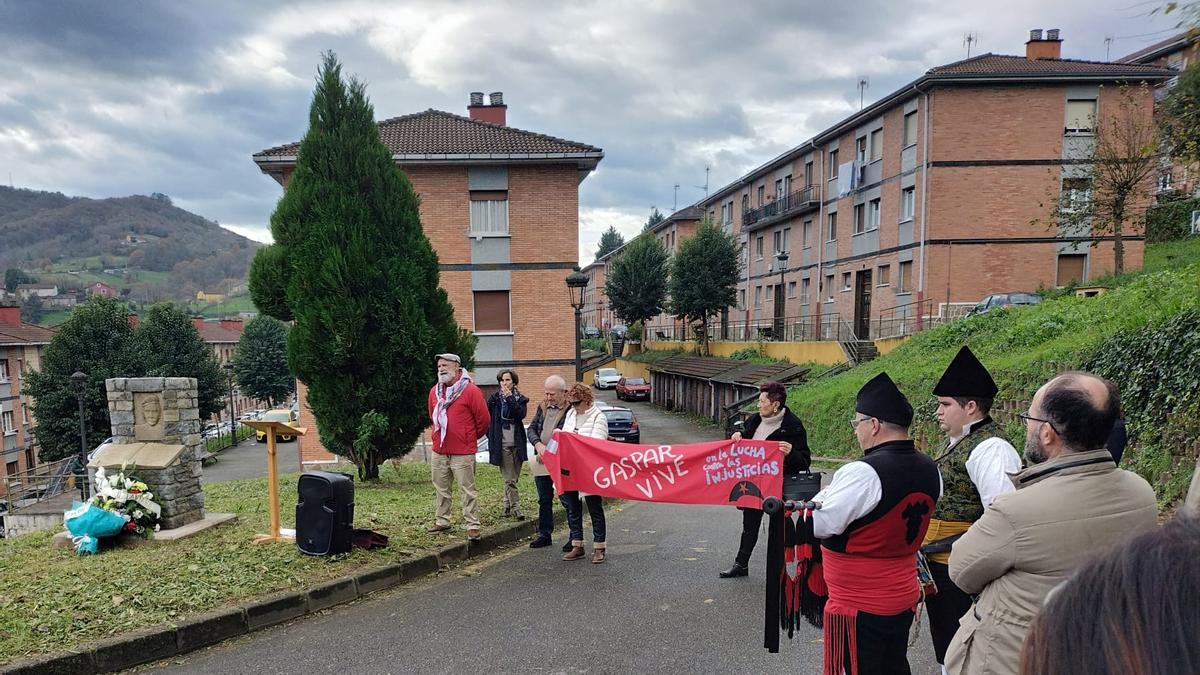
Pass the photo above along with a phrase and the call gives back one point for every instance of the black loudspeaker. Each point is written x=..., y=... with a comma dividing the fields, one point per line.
x=801, y=487
x=324, y=512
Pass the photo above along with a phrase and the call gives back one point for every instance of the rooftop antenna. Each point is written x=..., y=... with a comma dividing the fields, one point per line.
x=705, y=186
x=863, y=85
x=675, y=201
x=968, y=40
x=1108, y=40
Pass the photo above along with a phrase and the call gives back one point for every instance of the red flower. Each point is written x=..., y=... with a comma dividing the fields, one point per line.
x=131, y=526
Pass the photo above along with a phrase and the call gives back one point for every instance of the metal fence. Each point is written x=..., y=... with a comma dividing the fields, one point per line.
x=785, y=329
x=40, y=483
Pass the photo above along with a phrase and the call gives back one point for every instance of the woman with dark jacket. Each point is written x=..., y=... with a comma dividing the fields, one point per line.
x=506, y=437
x=772, y=422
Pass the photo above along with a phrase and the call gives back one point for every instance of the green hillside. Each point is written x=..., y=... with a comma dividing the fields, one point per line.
x=1144, y=334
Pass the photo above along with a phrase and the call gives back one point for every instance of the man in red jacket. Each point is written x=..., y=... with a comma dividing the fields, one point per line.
x=460, y=418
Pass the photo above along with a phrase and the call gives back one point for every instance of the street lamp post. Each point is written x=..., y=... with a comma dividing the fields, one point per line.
x=576, y=282
x=228, y=367
x=782, y=258
x=77, y=384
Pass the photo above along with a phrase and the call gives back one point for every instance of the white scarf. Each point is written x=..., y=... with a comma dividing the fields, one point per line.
x=446, y=396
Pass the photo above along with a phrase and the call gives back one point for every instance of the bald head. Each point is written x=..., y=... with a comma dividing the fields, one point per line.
x=1080, y=408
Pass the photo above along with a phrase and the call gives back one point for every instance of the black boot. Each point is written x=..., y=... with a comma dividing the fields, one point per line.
x=567, y=547
x=738, y=570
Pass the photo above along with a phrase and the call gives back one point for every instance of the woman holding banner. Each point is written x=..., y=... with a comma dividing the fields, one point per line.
x=585, y=419
x=773, y=422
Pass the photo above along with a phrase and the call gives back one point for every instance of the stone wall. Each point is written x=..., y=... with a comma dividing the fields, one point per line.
x=162, y=410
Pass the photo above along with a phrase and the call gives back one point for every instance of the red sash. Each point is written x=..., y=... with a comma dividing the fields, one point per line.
x=880, y=586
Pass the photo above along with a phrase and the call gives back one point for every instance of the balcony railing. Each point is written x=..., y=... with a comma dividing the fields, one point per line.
x=788, y=329
x=801, y=200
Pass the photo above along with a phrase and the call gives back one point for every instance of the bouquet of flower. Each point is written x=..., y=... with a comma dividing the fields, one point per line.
x=129, y=498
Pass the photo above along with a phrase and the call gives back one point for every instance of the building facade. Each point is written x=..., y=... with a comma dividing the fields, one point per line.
x=926, y=201
x=500, y=206
x=1177, y=53
x=222, y=337
x=21, y=347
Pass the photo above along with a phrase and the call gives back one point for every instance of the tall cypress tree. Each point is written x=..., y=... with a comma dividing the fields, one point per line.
x=353, y=270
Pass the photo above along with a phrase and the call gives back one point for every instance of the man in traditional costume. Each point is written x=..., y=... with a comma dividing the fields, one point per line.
x=872, y=519
x=976, y=464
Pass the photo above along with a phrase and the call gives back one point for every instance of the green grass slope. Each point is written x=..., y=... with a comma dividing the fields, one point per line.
x=1144, y=334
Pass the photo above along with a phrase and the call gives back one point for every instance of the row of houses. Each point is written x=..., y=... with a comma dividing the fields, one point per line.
x=52, y=296
x=922, y=203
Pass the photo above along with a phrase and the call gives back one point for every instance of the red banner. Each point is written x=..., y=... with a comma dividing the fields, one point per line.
x=733, y=473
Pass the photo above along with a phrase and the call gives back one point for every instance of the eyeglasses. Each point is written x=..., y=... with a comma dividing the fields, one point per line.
x=854, y=423
x=1030, y=418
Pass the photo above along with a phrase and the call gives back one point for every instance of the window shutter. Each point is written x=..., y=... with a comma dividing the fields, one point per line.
x=492, y=312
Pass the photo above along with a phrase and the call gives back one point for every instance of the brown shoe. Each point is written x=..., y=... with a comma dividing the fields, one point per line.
x=576, y=553
x=472, y=534
x=597, y=556
x=437, y=529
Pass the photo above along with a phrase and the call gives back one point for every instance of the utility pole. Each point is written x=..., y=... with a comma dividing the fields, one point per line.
x=863, y=84
x=705, y=186
x=1108, y=40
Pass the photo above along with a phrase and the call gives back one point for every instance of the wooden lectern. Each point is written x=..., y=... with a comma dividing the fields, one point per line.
x=271, y=429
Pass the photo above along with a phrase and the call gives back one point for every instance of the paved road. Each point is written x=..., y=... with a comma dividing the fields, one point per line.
x=657, y=604
x=249, y=460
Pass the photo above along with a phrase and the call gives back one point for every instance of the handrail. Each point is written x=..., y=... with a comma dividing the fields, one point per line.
x=802, y=198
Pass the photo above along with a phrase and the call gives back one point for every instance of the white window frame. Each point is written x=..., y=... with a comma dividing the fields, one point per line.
x=806, y=234
x=860, y=219
x=833, y=164
x=876, y=145
x=847, y=281
x=1076, y=130
x=758, y=247
x=831, y=227
x=10, y=428
x=757, y=297
x=874, y=207
x=910, y=140
x=900, y=288
x=908, y=200
x=4, y=375
x=1075, y=199
x=829, y=288
x=879, y=282
x=805, y=289
x=488, y=218
x=791, y=289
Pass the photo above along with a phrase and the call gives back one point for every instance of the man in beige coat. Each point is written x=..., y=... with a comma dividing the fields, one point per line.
x=1071, y=502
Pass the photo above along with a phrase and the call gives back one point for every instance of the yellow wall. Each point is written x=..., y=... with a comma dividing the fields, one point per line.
x=623, y=366
x=888, y=344
x=824, y=352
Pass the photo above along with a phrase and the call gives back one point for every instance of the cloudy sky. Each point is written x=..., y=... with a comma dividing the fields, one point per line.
x=104, y=99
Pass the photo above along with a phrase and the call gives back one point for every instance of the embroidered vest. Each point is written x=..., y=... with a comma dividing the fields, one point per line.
x=960, y=498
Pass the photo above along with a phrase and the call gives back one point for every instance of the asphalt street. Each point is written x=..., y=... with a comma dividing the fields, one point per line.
x=655, y=605
x=249, y=460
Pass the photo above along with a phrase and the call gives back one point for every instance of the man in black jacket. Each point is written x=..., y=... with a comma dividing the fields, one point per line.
x=772, y=422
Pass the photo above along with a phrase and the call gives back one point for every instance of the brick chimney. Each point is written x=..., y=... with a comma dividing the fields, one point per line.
x=10, y=315
x=198, y=322
x=234, y=325
x=1048, y=47
x=133, y=320
x=493, y=113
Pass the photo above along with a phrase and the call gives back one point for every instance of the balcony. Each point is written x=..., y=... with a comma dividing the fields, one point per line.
x=802, y=200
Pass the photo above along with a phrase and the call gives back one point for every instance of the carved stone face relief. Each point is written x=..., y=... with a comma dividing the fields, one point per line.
x=147, y=410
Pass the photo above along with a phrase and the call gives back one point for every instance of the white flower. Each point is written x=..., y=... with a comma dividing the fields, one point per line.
x=156, y=528
x=138, y=514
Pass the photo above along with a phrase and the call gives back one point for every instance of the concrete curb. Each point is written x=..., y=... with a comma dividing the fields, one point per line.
x=202, y=630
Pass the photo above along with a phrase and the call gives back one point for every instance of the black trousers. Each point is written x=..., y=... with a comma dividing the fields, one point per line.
x=882, y=644
x=751, y=522
x=945, y=609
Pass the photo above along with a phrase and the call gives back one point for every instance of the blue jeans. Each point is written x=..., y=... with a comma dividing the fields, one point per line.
x=574, y=506
x=545, y=490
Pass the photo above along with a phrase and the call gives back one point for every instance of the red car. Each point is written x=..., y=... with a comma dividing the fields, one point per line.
x=633, y=388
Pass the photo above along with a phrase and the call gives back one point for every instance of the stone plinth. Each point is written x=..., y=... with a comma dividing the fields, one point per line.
x=156, y=431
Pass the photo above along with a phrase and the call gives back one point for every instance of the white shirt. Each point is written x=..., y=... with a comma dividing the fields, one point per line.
x=853, y=493
x=989, y=466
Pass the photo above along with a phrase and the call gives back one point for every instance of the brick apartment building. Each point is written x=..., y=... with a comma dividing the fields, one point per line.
x=21, y=347
x=596, y=312
x=223, y=336
x=501, y=207
x=927, y=200
x=1177, y=53
x=670, y=232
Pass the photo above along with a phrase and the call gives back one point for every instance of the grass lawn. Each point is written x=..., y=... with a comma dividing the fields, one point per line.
x=54, y=318
x=240, y=303
x=52, y=599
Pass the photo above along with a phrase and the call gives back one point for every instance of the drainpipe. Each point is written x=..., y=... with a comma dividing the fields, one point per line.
x=820, y=242
x=924, y=197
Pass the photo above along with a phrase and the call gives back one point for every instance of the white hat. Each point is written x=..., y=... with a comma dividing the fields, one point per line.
x=449, y=357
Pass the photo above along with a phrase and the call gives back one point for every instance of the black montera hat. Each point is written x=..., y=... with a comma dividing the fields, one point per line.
x=881, y=399
x=966, y=377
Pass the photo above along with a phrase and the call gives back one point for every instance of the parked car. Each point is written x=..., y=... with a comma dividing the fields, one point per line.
x=481, y=450
x=619, y=331
x=591, y=332
x=633, y=389
x=281, y=415
x=1004, y=300
x=96, y=450
x=622, y=425
x=606, y=378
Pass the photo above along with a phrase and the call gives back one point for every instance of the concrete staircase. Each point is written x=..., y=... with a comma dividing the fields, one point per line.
x=859, y=351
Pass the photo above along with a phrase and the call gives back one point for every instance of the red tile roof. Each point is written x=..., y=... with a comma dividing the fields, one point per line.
x=26, y=333
x=435, y=132
x=999, y=65
x=1158, y=49
x=212, y=332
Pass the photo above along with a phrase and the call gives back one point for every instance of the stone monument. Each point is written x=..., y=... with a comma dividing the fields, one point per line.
x=156, y=431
